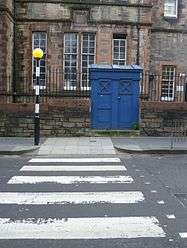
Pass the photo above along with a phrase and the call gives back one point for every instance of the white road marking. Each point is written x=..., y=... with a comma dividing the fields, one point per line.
x=153, y=191
x=75, y=160
x=170, y=216
x=70, y=197
x=73, y=168
x=69, y=179
x=81, y=228
x=183, y=234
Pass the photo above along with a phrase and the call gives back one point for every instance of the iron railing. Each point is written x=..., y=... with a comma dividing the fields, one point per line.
x=57, y=84
x=54, y=84
x=155, y=88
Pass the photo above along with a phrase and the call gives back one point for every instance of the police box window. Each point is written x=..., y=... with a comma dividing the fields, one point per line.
x=39, y=40
x=171, y=8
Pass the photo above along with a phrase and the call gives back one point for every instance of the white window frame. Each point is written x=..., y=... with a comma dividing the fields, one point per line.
x=166, y=12
x=170, y=86
x=64, y=53
x=79, y=60
x=45, y=54
x=125, y=59
x=87, y=54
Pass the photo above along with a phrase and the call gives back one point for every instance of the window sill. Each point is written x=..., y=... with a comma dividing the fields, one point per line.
x=41, y=87
x=167, y=99
x=70, y=88
x=170, y=17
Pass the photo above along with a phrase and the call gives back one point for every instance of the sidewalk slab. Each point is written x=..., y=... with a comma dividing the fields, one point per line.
x=92, y=145
x=151, y=144
x=77, y=145
x=16, y=145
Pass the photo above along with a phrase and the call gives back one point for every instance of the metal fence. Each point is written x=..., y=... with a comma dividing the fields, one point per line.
x=56, y=83
x=156, y=88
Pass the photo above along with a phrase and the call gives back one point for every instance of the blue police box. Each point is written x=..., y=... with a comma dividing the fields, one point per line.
x=114, y=96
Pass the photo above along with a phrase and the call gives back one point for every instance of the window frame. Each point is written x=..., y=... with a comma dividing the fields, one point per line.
x=171, y=15
x=168, y=98
x=87, y=54
x=77, y=61
x=44, y=58
x=125, y=58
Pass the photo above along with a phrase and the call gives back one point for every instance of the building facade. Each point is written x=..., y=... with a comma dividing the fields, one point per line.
x=74, y=34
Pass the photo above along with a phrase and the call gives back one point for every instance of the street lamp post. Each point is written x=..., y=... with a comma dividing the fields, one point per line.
x=37, y=55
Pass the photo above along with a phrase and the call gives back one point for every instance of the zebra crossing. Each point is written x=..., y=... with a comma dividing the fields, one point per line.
x=90, y=173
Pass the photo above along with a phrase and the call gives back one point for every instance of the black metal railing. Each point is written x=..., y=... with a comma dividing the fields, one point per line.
x=56, y=83
x=155, y=88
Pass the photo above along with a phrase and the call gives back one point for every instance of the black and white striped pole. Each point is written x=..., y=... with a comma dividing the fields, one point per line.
x=37, y=55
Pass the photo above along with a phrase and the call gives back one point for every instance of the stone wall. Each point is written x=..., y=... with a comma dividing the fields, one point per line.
x=103, y=18
x=169, y=38
x=170, y=49
x=166, y=23
x=69, y=118
x=6, y=43
x=163, y=119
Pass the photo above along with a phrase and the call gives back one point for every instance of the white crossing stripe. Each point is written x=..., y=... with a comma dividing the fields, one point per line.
x=81, y=228
x=73, y=168
x=170, y=216
x=183, y=234
x=75, y=160
x=69, y=179
x=70, y=197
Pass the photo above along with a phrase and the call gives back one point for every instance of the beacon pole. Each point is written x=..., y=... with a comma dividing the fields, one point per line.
x=37, y=54
x=37, y=106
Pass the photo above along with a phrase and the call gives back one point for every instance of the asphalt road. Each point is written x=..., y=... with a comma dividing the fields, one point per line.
x=158, y=189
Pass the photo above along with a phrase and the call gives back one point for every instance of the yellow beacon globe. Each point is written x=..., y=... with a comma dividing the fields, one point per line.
x=37, y=53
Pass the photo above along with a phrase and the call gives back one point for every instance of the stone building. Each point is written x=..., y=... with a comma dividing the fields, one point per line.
x=76, y=33
x=6, y=40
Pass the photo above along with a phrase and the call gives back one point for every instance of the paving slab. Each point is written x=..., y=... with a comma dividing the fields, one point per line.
x=93, y=145
x=77, y=145
x=151, y=144
x=16, y=145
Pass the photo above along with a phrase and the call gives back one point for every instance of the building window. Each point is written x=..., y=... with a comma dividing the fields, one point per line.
x=87, y=58
x=168, y=83
x=79, y=53
x=39, y=40
x=171, y=8
x=70, y=61
x=119, y=49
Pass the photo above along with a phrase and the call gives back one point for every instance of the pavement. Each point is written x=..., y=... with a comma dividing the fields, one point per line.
x=151, y=144
x=16, y=145
x=92, y=145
